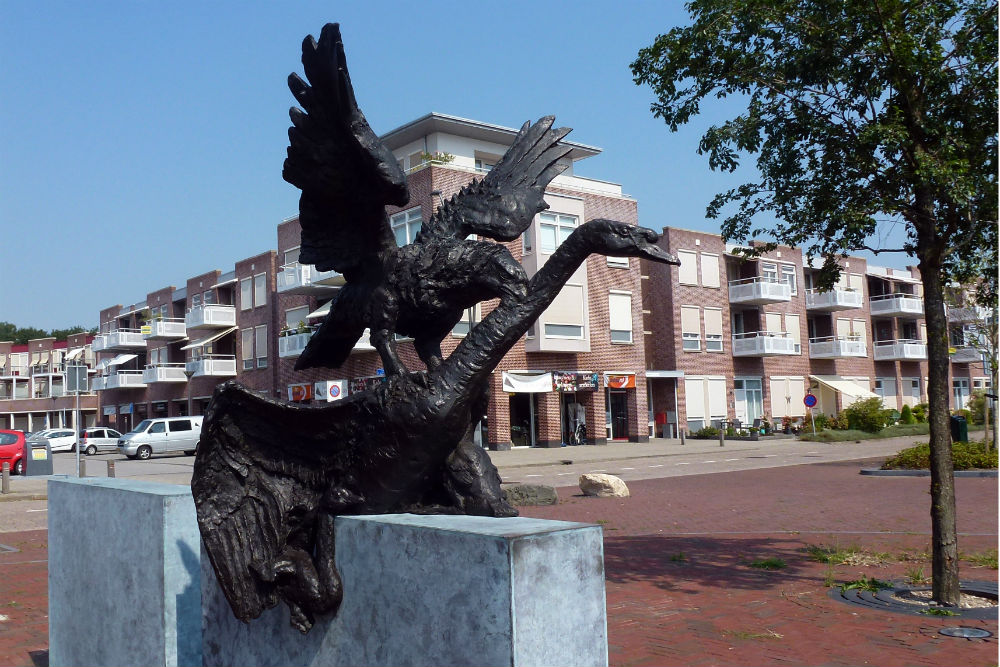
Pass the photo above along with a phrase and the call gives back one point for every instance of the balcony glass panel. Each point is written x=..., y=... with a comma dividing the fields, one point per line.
x=900, y=350
x=164, y=373
x=166, y=328
x=835, y=299
x=759, y=290
x=833, y=347
x=896, y=305
x=211, y=316
x=762, y=344
x=219, y=365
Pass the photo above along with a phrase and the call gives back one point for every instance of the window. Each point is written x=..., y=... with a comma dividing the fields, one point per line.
x=158, y=427
x=469, y=318
x=180, y=425
x=691, y=328
x=195, y=300
x=296, y=316
x=292, y=255
x=526, y=247
x=618, y=262
x=406, y=226
x=687, y=272
x=792, y=327
x=713, y=330
x=566, y=315
x=260, y=334
x=620, y=316
x=246, y=294
x=260, y=289
x=484, y=165
x=208, y=297
x=788, y=277
x=246, y=348
x=709, y=270
x=554, y=228
x=769, y=272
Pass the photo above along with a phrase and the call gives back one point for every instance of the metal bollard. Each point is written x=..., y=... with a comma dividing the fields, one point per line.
x=83, y=467
x=722, y=437
x=5, y=485
x=683, y=442
x=111, y=468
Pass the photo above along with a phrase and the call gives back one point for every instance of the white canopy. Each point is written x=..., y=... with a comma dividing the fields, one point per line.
x=322, y=311
x=527, y=382
x=844, y=386
x=208, y=339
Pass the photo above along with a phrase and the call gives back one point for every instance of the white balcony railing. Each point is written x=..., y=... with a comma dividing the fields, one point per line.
x=97, y=382
x=174, y=328
x=835, y=299
x=163, y=373
x=291, y=344
x=763, y=344
x=835, y=347
x=896, y=305
x=211, y=316
x=900, y=350
x=217, y=365
x=759, y=291
x=298, y=278
x=124, y=380
x=100, y=343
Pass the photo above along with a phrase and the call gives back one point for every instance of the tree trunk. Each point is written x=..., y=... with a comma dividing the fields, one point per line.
x=944, y=534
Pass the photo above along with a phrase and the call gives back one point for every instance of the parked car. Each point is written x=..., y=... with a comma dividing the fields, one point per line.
x=161, y=436
x=12, y=450
x=98, y=438
x=59, y=439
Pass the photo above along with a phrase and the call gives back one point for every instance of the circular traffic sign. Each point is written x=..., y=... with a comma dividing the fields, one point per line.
x=810, y=400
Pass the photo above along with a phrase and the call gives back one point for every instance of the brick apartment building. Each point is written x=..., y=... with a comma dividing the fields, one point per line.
x=738, y=340
x=33, y=389
x=583, y=359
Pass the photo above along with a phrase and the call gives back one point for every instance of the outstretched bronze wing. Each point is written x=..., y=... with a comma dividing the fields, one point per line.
x=346, y=174
x=501, y=205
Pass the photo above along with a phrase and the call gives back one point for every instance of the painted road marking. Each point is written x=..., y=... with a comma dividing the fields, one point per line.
x=532, y=475
x=44, y=510
x=708, y=461
x=560, y=474
x=628, y=468
x=732, y=459
x=683, y=464
x=658, y=465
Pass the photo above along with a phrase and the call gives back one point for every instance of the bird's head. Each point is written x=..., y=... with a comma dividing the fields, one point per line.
x=619, y=239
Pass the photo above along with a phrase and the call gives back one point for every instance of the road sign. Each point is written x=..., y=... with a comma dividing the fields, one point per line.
x=76, y=379
x=809, y=400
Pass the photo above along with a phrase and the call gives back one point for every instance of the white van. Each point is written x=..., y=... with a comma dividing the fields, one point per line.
x=161, y=436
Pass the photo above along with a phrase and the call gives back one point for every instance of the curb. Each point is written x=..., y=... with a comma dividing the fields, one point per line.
x=13, y=497
x=876, y=472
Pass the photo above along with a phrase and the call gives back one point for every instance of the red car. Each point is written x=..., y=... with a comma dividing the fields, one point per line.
x=12, y=450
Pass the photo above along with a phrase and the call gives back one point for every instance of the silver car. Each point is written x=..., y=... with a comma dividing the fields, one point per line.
x=161, y=436
x=58, y=439
x=98, y=439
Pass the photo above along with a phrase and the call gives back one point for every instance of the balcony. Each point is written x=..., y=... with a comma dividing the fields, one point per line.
x=169, y=329
x=305, y=279
x=897, y=305
x=759, y=291
x=834, y=347
x=211, y=316
x=900, y=350
x=124, y=380
x=966, y=355
x=212, y=365
x=122, y=339
x=763, y=344
x=291, y=343
x=835, y=299
x=97, y=383
x=163, y=373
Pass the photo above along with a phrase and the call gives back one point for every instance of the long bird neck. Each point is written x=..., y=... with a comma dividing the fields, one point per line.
x=482, y=350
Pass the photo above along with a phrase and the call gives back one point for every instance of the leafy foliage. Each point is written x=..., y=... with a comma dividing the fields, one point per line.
x=867, y=415
x=977, y=407
x=707, y=432
x=976, y=455
x=21, y=335
x=906, y=416
x=920, y=412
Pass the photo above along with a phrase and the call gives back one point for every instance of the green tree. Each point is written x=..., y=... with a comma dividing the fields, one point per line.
x=859, y=113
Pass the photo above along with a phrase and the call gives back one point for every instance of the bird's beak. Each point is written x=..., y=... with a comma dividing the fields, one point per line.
x=649, y=250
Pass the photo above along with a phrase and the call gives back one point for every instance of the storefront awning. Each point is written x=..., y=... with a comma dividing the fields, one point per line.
x=208, y=339
x=664, y=374
x=322, y=311
x=527, y=382
x=844, y=386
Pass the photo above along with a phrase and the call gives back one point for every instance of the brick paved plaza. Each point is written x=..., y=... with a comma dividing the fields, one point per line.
x=680, y=588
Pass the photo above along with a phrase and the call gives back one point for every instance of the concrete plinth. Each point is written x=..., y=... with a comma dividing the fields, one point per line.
x=437, y=590
x=124, y=573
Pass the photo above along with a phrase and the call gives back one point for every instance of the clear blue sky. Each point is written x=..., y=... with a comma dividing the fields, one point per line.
x=141, y=143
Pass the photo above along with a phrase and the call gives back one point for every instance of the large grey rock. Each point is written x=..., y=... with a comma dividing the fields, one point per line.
x=530, y=494
x=437, y=590
x=603, y=486
x=124, y=573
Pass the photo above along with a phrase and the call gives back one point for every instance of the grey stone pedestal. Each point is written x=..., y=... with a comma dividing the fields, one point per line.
x=437, y=590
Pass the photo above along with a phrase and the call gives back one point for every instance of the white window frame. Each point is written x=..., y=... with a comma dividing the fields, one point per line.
x=713, y=342
x=409, y=223
x=294, y=323
x=260, y=290
x=561, y=224
x=687, y=272
x=246, y=348
x=297, y=250
x=246, y=293
x=691, y=340
x=708, y=277
x=620, y=332
x=769, y=271
x=260, y=344
x=788, y=275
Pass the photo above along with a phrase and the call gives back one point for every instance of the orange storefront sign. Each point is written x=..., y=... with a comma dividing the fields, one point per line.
x=300, y=392
x=619, y=381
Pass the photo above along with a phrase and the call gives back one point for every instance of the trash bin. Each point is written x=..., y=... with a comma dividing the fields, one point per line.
x=959, y=429
x=37, y=459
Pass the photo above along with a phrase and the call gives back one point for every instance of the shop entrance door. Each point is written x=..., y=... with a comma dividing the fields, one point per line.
x=618, y=402
x=523, y=420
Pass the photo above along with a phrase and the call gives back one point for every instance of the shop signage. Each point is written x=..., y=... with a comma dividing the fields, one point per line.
x=619, y=380
x=300, y=392
x=364, y=384
x=146, y=329
x=125, y=408
x=527, y=382
x=330, y=390
x=574, y=381
x=109, y=410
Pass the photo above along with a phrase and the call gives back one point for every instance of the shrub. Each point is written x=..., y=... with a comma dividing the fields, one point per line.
x=867, y=415
x=707, y=432
x=839, y=422
x=967, y=456
x=977, y=407
x=920, y=412
x=822, y=421
x=962, y=413
x=906, y=416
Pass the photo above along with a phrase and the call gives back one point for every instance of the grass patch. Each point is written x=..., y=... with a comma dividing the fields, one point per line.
x=746, y=634
x=933, y=611
x=986, y=558
x=846, y=555
x=915, y=576
x=836, y=435
x=967, y=456
x=769, y=564
x=865, y=584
